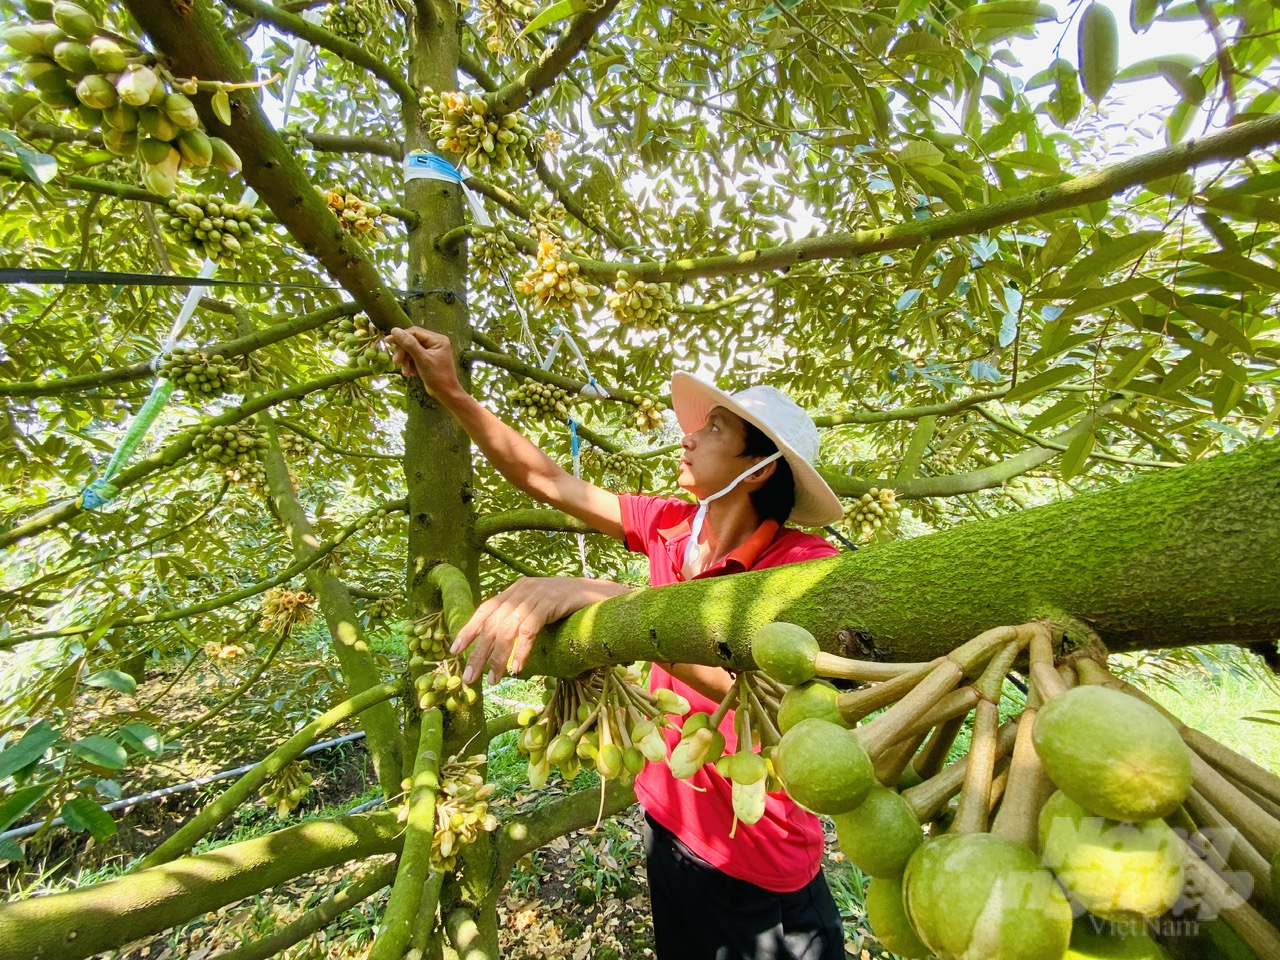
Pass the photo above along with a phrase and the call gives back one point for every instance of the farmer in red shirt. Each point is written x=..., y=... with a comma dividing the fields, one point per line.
x=748, y=458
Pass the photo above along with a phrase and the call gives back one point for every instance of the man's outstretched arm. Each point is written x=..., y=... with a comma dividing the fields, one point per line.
x=428, y=355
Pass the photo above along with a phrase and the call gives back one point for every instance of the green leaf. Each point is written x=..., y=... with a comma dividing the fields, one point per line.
x=921, y=153
x=557, y=11
x=9, y=850
x=39, y=737
x=999, y=14
x=1130, y=364
x=908, y=298
x=1243, y=207
x=143, y=738
x=1026, y=389
x=1063, y=410
x=950, y=276
x=83, y=814
x=1117, y=251
x=1099, y=298
x=101, y=752
x=19, y=802
x=221, y=103
x=1226, y=395
x=1242, y=267
x=115, y=679
x=1142, y=13
x=40, y=167
x=1031, y=160
x=1076, y=458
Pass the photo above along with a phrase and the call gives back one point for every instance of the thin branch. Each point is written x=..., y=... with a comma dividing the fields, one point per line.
x=137, y=371
x=318, y=553
x=551, y=62
x=1233, y=143
x=519, y=566
x=530, y=518
x=906, y=413
x=107, y=188
x=508, y=362
x=338, y=143
x=320, y=37
x=1013, y=428
x=544, y=823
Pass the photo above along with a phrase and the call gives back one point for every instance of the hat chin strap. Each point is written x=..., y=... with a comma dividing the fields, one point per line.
x=691, y=551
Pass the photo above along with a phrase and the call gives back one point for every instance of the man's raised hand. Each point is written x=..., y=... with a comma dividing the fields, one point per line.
x=428, y=355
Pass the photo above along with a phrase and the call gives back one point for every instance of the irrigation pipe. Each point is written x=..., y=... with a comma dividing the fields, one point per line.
x=130, y=802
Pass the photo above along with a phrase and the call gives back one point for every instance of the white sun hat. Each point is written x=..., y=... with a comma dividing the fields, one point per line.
x=783, y=421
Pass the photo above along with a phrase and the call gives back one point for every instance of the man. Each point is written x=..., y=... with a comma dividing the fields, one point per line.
x=748, y=459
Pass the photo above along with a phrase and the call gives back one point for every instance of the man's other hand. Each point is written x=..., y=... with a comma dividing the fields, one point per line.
x=502, y=630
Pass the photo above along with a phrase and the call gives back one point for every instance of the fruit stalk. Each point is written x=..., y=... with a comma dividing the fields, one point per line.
x=1028, y=787
x=1042, y=672
x=1239, y=854
x=975, y=795
x=928, y=799
x=934, y=753
x=854, y=705
x=1254, y=823
x=867, y=671
x=890, y=764
x=1253, y=928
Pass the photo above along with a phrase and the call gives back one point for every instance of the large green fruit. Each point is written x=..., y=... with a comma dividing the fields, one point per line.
x=1113, y=754
x=879, y=835
x=785, y=652
x=815, y=698
x=1113, y=870
x=889, y=920
x=823, y=767
x=1094, y=939
x=977, y=896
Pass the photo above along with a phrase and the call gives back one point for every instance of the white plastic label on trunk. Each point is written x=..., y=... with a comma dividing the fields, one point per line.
x=420, y=165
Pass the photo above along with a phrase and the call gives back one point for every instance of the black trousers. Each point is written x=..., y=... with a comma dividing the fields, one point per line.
x=701, y=913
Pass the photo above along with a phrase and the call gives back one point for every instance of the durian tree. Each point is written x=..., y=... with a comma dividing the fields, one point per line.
x=1037, y=326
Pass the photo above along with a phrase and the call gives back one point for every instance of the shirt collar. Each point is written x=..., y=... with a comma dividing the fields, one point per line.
x=745, y=555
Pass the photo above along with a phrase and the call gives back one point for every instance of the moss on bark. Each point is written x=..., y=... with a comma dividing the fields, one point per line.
x=1180, y=557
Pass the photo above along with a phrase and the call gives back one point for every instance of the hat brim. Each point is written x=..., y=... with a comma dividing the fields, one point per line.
x=693, y=400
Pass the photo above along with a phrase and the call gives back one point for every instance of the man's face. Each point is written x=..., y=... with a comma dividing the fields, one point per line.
x=712, y=457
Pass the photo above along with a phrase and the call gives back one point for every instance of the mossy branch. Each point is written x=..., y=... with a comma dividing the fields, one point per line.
x=195, y=47
x=315, y=919
x=199, y=826
x=415, y=857
x=136, y=371
x=359, y=668
x=176, y=451
x=306, y=30
x=1182, y=556
x=103, y=916
x=107, y=188
x=528, y=832
x=531, y=518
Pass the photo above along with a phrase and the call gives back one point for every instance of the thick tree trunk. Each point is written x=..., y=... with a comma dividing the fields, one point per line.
x=1181, y=557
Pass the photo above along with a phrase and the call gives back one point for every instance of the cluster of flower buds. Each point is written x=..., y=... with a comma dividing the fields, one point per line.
x=363, y=343
x=554, y=281
x=358, y=215
x=110, y=83
x=213, y=229
x=216, y=650
x=443, y=687
x=462, y=124
x=604, y=720
x=199, y=375
x=427, y=639
x=640, y=304
x=385, y=607
x=286, y=789
x=489, y=250
x=871, y=511
x=622, y=466
x=237, y=447
x=648, y=415
x=535, y=399
x=294, y=445
x=283, y=609
x=462, y=809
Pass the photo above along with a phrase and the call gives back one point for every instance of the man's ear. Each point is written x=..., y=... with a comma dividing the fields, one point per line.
x=764, y=473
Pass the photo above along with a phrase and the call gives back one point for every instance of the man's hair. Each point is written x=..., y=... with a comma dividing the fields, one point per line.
x=775, y=499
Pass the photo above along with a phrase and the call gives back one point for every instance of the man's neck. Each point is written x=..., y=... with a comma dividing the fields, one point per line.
x=731, y=521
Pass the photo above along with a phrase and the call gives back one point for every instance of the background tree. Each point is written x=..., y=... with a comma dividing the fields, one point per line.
x=992, y=299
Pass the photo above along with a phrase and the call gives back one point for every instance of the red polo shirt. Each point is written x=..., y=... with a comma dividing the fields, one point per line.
x=783, y=851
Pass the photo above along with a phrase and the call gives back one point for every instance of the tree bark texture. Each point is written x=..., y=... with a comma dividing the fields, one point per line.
x=1175, y=558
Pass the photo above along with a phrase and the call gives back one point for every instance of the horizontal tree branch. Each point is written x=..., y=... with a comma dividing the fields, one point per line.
x=544, y=823
x=906, y=413
x=319, y=552
x=1017, y=431
x=137, y=371
x=1173, y=558
x=99, y=917
x=530, y=518
x=338, y=143
x=106, y=188
x=1233, y=143
x=178, y=450
x=302, y=431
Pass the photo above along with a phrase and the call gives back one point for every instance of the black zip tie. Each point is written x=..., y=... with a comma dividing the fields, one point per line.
x=10, y=275
x=841, y=537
